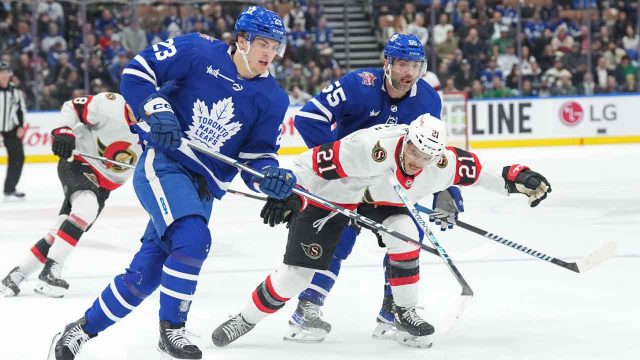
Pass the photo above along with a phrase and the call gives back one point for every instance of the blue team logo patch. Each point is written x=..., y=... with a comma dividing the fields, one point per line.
x=212, y=127
x=368, y=78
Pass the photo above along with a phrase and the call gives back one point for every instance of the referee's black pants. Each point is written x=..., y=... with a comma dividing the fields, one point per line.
x=15, y=152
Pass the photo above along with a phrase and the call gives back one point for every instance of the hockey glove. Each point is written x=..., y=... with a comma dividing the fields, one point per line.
x=519, y=179
x=64, y=142
x=277, y=182
x=165, y=127
x=277, y=211
x=446, y=205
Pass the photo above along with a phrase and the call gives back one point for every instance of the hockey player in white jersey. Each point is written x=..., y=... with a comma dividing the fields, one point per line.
x=356, y=169
x=97, y=126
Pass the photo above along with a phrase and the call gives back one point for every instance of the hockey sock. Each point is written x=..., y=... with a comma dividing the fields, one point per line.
x=385, y=266
x=404, y=273
x=115, y=302
x=191, y=240
x=271, y=295
x=67, y=238
x=37, y=256
x=322, y=283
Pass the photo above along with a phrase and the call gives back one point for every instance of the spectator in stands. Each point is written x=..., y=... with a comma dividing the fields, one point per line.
x=443, y=71
x=477, y=91
x=297, y=78
x=498, y=90
x=53, y=10
x=489, y=73
x=612, y=85
x=528, y=89
x=630, y=84
x=534, y=28
x=298, y=97
x=613, y=55
x=23, y=41
x=563, y=86
x=506, y=61
x=630, y=40
x=601, y=74
x=624, y=69
x=105, y=20
x=587, y=86
x=562, y=43
x=311, y=18
x=462, y=31
x=441, y=30
x=514, y=77
x=474, y=48
x=323, y=34
x=133, y=38
x=115, y=70
x=156, y=34
x=553, y=74
x=418, y=29
x=450, y=86
x=446, y=48
x=464, y=78
x=297, y=34
x=542, y=47
x=307, y=51
x=52, y=37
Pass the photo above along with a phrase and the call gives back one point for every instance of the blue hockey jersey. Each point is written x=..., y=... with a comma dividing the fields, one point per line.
x=359, y=100
x=238, y=117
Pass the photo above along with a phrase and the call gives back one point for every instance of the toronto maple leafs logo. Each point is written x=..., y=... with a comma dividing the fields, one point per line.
x=367, y=78
x=213, y=127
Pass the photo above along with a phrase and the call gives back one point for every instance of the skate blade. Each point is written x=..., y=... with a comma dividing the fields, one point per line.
x=52, y=348
x=384, y=331
x=421, y=342
x=45, y=289
x=305, y=336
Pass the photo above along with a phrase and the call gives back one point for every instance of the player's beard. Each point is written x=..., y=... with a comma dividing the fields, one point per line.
x=397, y=83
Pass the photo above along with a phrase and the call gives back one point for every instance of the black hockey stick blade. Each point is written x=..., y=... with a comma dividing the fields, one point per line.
x=597, y=257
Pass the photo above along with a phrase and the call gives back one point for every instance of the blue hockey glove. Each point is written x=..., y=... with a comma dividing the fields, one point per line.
x=277, y=182
x=165, y=127
x=446, y=206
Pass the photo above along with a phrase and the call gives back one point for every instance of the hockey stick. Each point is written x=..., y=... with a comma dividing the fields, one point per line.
x=455, y=310
x=102, y=158
x=326, y=203
x=588, y=262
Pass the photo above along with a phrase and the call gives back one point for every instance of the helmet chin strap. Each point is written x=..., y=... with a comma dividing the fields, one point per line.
x=401, y=154
x=243, y=54
x=387, y=73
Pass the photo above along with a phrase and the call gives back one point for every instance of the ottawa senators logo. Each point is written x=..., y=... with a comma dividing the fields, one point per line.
x=118, y=151
x=378, y=153
x=443, y=162
x=367, y=78
x=314, y=251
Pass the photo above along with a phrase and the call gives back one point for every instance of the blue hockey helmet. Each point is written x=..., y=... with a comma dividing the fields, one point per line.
x=257, y=21
x=404, y=46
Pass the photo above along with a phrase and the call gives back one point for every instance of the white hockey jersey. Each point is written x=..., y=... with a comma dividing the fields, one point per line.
x=101, y=125
x=356, y=169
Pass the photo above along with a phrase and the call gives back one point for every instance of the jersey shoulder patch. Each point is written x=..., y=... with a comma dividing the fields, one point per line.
x=368, y=78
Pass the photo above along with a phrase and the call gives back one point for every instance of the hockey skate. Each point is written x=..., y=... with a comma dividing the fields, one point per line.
x=306, y=324
x=10, y=285
x=174, y=344
x=386, y=328
x=50, y=282
x=70, y=341
x=412, y=329
x=230, y=330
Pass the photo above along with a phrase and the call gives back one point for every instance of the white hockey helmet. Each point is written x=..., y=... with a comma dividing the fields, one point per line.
x=428, y=134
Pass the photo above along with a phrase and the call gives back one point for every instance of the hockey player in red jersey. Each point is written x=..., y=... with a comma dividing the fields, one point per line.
x=97, y=126
x=356, y=170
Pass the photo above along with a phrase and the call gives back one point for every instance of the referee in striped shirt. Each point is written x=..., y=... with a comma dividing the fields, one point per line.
x=12, y=113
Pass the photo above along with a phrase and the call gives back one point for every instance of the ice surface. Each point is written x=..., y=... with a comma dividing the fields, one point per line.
x=523, y=308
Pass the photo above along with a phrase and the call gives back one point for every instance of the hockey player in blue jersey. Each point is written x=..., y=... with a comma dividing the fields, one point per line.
x=222, y=98
x=361, y=99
